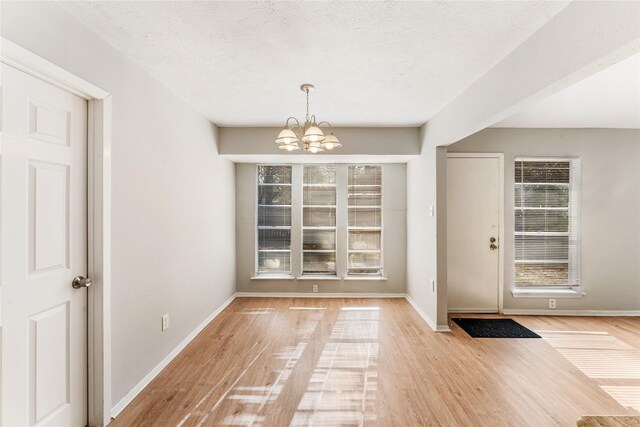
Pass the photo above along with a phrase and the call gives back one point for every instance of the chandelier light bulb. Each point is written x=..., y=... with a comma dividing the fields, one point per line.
x=313, y=134
x=286, y=136
x=331, y=142
x=289, y=147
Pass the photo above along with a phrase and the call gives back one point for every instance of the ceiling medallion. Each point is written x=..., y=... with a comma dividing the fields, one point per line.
x=311, y=136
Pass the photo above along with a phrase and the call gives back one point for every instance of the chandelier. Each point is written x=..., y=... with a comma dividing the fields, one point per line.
x=311, y=136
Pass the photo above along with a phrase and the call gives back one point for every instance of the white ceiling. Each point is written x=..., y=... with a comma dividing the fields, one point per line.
x=607, y=99
x=373, y=63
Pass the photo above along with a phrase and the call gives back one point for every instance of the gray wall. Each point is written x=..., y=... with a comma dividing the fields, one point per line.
x=395, y=232
x=173, y=195
x=368, y=141
x=610, y=204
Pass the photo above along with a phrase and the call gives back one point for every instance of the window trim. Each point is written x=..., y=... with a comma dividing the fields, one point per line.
x=382, y=226
x=342, y=227
x=327, y=228
x=575, y=229
x=256, y=262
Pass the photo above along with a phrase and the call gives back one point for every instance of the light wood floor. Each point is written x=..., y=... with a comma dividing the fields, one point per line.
x=325, y=362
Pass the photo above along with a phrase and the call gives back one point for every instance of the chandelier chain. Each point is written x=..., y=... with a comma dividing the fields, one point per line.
x=307, y=117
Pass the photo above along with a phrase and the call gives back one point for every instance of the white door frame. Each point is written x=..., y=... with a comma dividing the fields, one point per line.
x=500, y=157
x=98, y=221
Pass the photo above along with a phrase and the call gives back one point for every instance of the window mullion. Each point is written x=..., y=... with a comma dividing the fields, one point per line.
x=342, y=219
x=296, y=220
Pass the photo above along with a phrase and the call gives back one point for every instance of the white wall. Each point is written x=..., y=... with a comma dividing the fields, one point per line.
x=173, y=195
x=610, y=202
x=426, y=237
x=583, y=38
x=394, y=240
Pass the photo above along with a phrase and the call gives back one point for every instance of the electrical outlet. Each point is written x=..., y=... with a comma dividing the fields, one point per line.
x=315, y=288
x=433, y=285
x=552, y=303
x=165, y=322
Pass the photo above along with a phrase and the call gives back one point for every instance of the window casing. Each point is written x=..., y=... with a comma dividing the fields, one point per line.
x=547, y=223
x=365, y=220
x=326, y=222
x=319, y=219
x=274, y=219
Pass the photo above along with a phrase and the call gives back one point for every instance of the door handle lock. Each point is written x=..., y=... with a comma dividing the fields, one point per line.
x=493, y=247
x=81, y=282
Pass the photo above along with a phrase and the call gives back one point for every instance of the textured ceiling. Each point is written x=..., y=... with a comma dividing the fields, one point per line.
x=608, y=99
x=373, y=63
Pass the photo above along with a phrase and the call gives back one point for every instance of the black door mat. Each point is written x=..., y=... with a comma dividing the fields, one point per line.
x=494, y=328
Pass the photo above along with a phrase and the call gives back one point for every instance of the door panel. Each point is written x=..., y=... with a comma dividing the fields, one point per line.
x=44, y=246
x=473, y=218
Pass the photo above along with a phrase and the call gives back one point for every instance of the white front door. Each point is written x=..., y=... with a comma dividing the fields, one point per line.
x=44, y=246
x=473, y=220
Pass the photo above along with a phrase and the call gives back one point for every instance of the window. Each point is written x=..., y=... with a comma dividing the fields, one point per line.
x=274, y=219
x=547, y=246
x=365, y=219
x=319, y=219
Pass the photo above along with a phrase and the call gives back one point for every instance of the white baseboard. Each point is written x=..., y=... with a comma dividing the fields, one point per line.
x=533, y=312
x=316, y=295
x=118, y=407
x=430, y=322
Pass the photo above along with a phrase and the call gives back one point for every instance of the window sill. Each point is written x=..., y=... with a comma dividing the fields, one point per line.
x=335, y=278
x=546, y=293
x=272, y=277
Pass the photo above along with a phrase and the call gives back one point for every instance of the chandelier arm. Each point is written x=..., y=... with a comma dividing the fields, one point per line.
x=326, y=123
x=289, y=126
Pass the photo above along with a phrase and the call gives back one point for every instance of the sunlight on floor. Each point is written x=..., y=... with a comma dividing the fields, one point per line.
x=628, y=396
x=344, y=382
x=255, y=398
x=603, y=358
x=603, y=363
x=257, y=311
x=342, y=387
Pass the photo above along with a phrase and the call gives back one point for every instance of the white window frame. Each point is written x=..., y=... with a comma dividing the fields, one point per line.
x=302, y=226
x=257, y=226
x=342, y=226
x=575, y=215
x=382, y=192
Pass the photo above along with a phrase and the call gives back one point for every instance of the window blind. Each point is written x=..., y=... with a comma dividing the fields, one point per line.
x=365, y=220
x=319, y=219
x=274, y=219
x=547, y=240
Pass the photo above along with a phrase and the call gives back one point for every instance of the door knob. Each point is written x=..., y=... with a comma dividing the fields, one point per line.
x=493, y=247
x=81, y=282
x=492, y=239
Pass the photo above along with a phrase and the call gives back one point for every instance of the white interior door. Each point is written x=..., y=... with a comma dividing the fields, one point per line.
x=44, y=246
x=473, y=219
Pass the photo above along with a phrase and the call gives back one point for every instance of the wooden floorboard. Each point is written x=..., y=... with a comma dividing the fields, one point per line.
x=375, y=362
